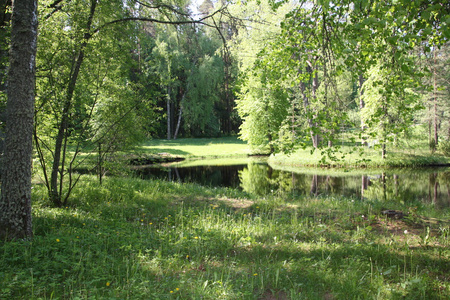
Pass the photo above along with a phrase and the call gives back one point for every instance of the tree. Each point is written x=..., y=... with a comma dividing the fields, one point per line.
x=91, y=65
x=390, y=104
x=262, y=99
x=15, y=201
x=322, y=41
x=263, y=106
x=186, y=60
x=436, y=101
x=83, y=94
x=5, y=17
x=389, y=37
x=5, y=30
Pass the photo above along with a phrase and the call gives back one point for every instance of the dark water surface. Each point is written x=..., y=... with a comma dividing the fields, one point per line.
x=427, y=185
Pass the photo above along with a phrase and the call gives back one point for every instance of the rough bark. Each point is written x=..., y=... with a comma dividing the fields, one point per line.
x=15, y=201
x=4, y=33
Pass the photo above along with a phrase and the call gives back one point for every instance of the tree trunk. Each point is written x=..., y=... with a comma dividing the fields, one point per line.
x=314, y=81
x=227, y=64
x=175, y=135
x=311, y=124
x=55, y=192
x=100, y=163
x=361, y=106
x=436, y=137
x=270, y=139
x=5, y=19
x=315, y=85
x=169, y=114
x=15, y=201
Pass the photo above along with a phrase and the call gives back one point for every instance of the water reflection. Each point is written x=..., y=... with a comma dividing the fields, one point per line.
x=220, y=176
x=260, y=179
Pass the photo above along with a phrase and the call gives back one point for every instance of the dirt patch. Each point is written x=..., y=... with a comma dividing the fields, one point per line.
x=395, y=227
x=235, y=203
x=274, y=295
x=416, y=235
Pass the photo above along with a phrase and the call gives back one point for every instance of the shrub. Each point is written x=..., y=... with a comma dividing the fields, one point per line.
x=444, y=147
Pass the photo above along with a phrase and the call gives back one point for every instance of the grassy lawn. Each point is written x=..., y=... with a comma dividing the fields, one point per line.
x=408, y=151
x=197, y=148
x=367, y=158
x=135, y=239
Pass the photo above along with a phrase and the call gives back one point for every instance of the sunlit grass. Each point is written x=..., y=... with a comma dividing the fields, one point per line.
x=136, y=239
x=408, y=152
x=360, y=157
x=197, y=147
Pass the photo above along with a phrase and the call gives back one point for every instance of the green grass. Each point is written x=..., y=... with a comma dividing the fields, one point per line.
x=135, y=239
x=197, y=147
x=411, y=150
x=409, y=153
x=396, y=157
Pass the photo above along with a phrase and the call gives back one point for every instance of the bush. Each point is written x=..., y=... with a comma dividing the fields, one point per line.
x=444, y=147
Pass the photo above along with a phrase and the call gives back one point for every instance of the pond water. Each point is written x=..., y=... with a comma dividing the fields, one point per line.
x=259, y=178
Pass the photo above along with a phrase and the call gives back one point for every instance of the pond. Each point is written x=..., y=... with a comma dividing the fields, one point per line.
x=259, y=178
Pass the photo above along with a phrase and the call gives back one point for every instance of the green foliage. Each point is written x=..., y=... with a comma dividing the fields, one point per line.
x=389, y=104
x=324, y=52
x=444, y=147
x=191, y=71
x=86, y=92
x=263, y=106
x=202, y=96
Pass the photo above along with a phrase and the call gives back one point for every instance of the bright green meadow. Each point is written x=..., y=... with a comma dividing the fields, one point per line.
x=139, y=239
x=197, y=148
x=410, y=153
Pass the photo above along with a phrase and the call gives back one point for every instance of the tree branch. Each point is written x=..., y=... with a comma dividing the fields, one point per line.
x=153, y=20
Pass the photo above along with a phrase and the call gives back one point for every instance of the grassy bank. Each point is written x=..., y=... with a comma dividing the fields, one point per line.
x=367, y=158
x=135, y=239
x=405, y=155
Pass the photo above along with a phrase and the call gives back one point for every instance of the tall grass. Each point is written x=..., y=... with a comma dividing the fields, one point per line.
x=135, y=239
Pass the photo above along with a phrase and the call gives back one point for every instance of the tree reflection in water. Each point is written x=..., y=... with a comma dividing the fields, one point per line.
x=405, y=185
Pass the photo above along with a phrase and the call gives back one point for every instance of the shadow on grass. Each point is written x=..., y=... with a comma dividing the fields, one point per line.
x=127, y=239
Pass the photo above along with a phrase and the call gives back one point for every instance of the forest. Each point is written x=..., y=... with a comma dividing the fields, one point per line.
x=281, y=74
x=85, y=84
